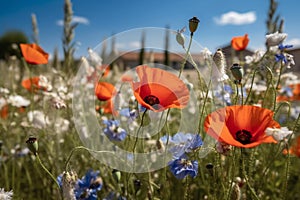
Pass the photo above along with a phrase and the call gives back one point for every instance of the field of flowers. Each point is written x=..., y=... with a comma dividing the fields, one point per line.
x=95, y=132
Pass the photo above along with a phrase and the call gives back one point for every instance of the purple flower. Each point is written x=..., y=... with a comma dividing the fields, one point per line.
x=181, y=167
x=113, y=130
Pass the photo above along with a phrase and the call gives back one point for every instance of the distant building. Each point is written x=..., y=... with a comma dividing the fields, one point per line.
x=296, y=53
x=128, y=60
x=131, y=59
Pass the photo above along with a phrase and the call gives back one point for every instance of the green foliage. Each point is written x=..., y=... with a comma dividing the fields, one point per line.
x=9, y=43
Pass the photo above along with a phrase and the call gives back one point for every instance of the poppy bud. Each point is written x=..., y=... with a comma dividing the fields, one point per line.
x=117, y=175
x=193, y=24
x=32, y=144
x=160, y=146
x=180, y=38
x=236, y=192
x=210, y=167
x=137, y=185
x=237, y=72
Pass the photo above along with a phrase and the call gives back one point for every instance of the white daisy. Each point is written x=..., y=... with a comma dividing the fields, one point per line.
x=275, y=39
x=278, y=133
x=5, y=195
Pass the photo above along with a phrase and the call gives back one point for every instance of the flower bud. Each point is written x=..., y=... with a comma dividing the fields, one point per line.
x=117, y=175
x=137, y=185
x=237, y=72
x=32, y=144
x=180, y=38
x=210, y=167
x=193, y=24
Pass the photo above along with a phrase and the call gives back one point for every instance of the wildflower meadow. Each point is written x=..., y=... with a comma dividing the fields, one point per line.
x=87, y=128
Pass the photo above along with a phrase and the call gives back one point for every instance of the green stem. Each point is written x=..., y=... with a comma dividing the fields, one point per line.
x=242, y=94
x=137, y=133
x=186, y=192
x=246, y=176
x=186, y=55
x=279, y=77
x=200, y=127
x=273, y=87
x=287, y=171
x=237, y=94
x=251, y=86
x=84, y=148
x=49, y=173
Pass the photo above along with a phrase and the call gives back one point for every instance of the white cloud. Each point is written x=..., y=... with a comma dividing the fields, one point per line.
x=235, y=18
x=76, y=19
x=293, y=41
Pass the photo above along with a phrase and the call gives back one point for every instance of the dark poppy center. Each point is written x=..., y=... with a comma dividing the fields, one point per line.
x=151, y=100
x=243, y=136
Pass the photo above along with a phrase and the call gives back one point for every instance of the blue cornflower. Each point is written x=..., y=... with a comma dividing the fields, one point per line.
x=281, y=56
x=282, y=47
x=181, y=167
x=182, y=143
x=286, y=90
x=87, y=187
x=113, y=131
x=131, y=114
x=224, y=94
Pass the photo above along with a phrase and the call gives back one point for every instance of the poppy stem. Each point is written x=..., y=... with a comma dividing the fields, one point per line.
x=186, y=55
x=49, y=173
x=279, y=77
x=186, y=192
x=242, y=95
x=237, y=94
x=281, y=104
x=84, y=148
x=287, y=171
x=268, y=87
x=251, y=86
x=245, y=175
x=137, y=133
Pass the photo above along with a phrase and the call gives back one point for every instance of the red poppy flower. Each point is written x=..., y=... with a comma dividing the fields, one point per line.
x=101, y=71
x=31, y=84
x=295, y=94
x=241, y=126
x=4, y=112
x=240, y=43
x=104, y=69
x=34, y=54
x=159, y=90
x=296, y=91
x=295, y=148
x=104, y=91
x=126, y=78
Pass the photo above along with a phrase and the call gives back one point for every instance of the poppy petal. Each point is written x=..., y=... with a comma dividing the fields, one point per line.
x=104, y=91
x=166, y=88
x=240, y=43
x=227, y=125
x=34, y=54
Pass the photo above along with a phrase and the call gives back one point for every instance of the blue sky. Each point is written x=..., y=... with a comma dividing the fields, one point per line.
x=100, y=19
